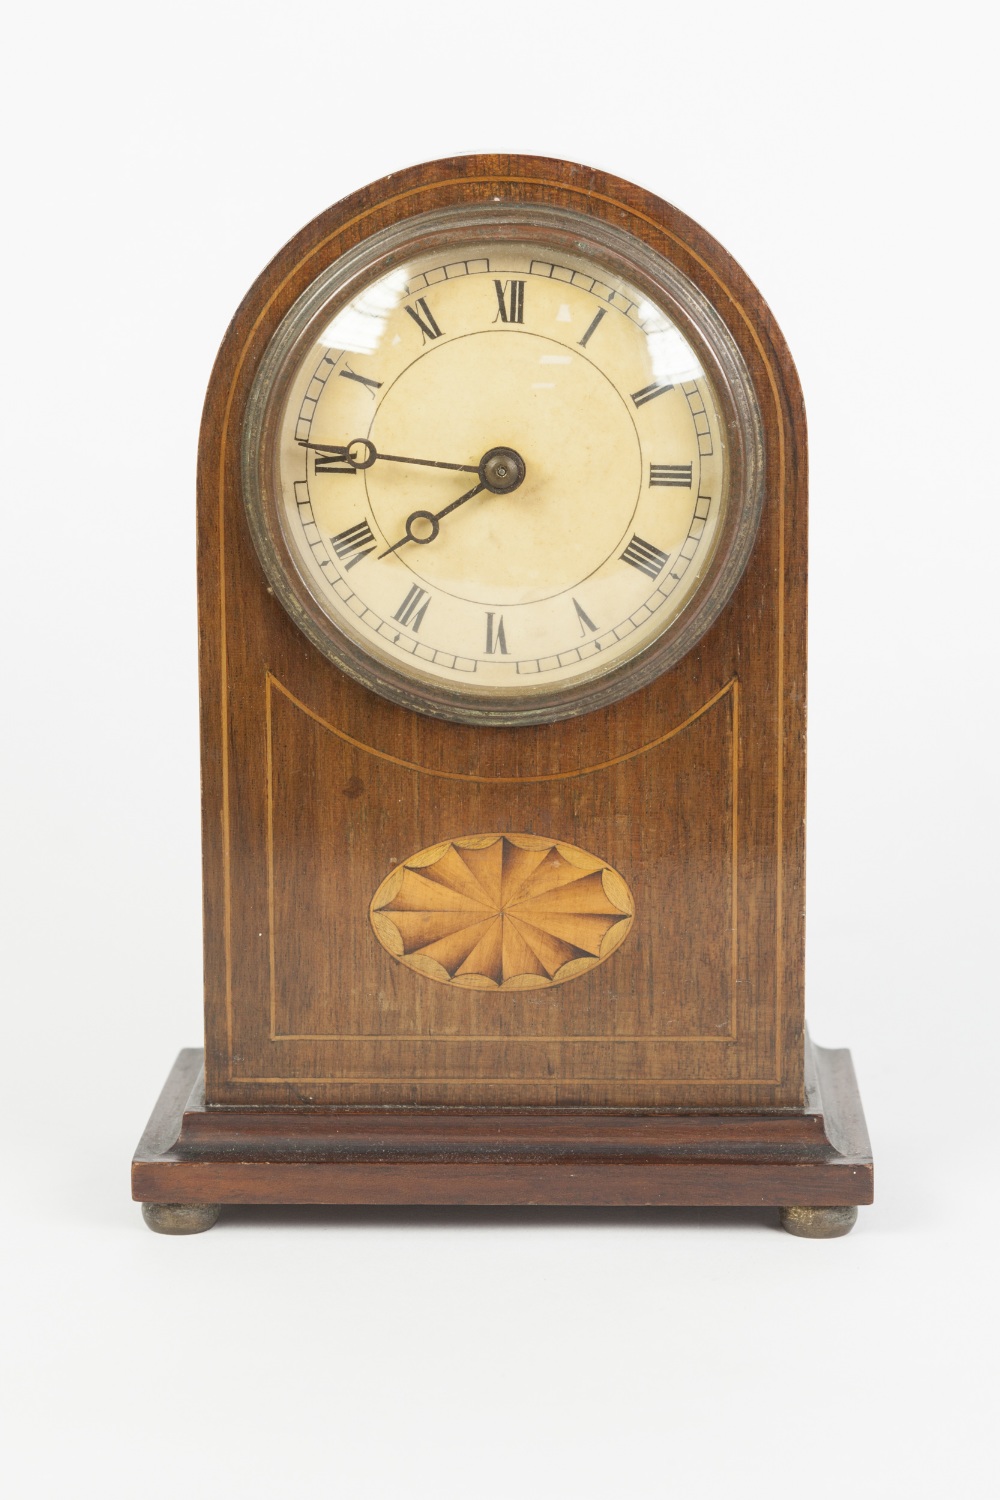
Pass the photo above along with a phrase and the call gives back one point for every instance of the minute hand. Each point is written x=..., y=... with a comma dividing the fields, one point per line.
x=431, y=518
x=429, y=463
x=369, y=453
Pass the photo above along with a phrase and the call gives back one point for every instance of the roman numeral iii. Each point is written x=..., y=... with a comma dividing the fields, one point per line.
x=510, y=301
x=424, y=320
x=411, y=612
x=676, y=476
x=644, y=556
x=354, y=544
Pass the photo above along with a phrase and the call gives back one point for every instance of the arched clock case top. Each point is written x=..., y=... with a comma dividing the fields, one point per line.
x=653, y=1049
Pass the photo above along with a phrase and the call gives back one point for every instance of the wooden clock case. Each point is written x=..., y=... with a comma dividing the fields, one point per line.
x=678, y=1071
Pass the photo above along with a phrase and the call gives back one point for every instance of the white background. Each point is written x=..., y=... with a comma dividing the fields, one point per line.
x=158, y=157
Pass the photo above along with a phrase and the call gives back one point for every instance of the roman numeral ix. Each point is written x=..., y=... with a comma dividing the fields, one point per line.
x=675, y=476
x=411, y=612
x=334, y=461
x=510, y=301
x=354, y=544
x=424, y=320
x=644, y=556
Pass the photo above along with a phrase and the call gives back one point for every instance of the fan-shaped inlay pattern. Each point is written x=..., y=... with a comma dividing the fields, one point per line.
x=502, y=911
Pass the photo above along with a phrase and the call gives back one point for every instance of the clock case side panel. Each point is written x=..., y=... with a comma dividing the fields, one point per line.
x=779, y=392
x=793, y=701
x=233, y=696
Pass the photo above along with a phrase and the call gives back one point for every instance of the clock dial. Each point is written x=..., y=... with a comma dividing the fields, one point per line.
x=499, y=470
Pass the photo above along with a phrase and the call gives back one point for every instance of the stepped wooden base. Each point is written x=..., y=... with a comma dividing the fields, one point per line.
x=193, y=1158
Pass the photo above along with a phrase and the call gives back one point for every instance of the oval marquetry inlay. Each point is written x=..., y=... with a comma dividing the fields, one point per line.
x=504, y=911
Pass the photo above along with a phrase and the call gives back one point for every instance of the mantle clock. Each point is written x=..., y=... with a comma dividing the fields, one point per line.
x=502, y=581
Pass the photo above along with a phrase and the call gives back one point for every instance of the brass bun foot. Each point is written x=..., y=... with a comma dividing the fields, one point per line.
x=180, y=1218
x=819, y=1223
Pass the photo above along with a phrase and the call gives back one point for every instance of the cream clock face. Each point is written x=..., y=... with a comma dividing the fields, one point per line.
x=500, y=471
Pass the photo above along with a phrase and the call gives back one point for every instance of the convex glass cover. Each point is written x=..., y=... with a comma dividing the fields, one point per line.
x=503, y=465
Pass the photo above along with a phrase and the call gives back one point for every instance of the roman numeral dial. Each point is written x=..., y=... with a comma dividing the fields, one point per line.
x=537, y=470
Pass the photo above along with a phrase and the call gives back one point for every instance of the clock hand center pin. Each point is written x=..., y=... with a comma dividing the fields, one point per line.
x=500, y=471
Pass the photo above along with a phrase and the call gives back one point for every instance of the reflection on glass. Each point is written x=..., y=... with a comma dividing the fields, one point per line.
x=358, y=329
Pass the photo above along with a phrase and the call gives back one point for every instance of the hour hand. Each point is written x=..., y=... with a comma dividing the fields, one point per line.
x=359, y=453
x=422, y=526
x=500, y=470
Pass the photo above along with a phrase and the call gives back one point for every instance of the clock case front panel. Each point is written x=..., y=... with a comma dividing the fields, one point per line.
x=692, y=789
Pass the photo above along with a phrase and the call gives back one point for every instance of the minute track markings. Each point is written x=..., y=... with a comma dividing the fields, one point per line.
x=580, y=281
x=425, y=319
